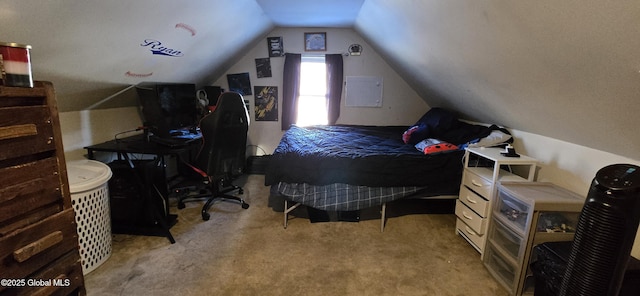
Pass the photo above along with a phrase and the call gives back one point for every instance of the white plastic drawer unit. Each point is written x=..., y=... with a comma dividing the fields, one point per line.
x=479, y=180
x=474, y=201
x=470, y=218
x=512, y=211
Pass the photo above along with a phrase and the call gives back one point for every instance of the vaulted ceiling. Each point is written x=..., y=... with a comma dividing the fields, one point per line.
x=563, y=69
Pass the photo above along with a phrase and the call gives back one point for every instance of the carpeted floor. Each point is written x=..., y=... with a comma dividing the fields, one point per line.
x=248, y=252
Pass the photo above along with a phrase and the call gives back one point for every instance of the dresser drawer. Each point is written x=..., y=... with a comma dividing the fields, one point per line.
x=27, y=187
x=24, y=251
x=25, y=130
x=474, y=201
x=65, y=271
x=477, y=183
x=473, y=237
x=470, y=218
x=65, y=276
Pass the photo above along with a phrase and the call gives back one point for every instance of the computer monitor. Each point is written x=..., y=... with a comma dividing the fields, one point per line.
x=166, y=108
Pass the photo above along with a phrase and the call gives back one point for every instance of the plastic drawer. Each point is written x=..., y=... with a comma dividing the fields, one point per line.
x=504, y=272
x=513, y=211
x=505, y=239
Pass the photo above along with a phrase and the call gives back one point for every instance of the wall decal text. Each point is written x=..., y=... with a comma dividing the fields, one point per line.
x=157, y=48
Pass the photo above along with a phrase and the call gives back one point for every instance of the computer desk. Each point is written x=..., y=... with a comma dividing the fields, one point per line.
x=125, y=148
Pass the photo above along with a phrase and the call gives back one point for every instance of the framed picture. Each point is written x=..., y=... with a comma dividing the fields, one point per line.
x=315, y=41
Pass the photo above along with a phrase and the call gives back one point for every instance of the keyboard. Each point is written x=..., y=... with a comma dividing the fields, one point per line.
x=177, y=140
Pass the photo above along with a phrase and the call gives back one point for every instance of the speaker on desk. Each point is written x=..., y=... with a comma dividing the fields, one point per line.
x=605, y=233
x=132, y=195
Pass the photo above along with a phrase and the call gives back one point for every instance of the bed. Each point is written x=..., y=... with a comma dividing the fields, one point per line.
x=349, y=167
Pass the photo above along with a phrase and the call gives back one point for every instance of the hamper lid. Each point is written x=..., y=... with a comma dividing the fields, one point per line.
x=87, y=174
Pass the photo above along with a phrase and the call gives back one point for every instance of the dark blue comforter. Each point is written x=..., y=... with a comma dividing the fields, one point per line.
x=358, y=155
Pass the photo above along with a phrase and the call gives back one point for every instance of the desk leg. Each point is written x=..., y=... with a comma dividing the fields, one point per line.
x=163, y=220
x=165, y=197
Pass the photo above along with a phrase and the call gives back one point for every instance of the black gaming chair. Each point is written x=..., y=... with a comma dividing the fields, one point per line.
x=222, y=156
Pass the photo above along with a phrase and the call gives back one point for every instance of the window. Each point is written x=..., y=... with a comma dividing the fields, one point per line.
x=312, y=103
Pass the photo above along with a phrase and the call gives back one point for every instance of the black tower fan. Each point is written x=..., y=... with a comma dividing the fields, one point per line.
x=605, y=233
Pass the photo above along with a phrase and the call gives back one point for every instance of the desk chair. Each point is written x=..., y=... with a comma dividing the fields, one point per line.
x=222, y=156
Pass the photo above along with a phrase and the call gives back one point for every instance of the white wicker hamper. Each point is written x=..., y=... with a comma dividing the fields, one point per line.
x=88, y=185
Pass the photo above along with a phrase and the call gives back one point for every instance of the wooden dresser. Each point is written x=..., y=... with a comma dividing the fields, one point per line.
x=38, y=236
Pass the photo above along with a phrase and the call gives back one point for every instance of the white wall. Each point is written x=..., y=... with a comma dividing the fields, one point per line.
x=88, y=127
x=401, y=104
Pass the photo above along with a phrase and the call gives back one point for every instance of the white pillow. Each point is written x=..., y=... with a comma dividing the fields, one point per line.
x=496, y=137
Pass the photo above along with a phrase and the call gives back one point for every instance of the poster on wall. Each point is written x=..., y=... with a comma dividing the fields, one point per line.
x=275, y=46
x=266, y=103
x=240, y=83
x=263, y=67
